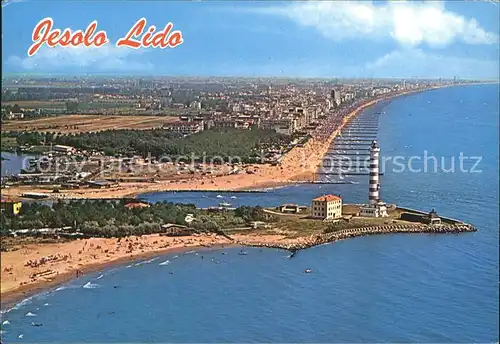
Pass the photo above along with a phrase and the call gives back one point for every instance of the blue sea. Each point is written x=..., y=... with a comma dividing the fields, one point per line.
x=396, y=288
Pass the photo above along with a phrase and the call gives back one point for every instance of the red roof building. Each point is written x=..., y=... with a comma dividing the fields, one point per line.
x=327, y=207
x=328, y=198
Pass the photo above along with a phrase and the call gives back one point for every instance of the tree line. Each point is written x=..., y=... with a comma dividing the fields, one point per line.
x=104, y=218
x=225, y=143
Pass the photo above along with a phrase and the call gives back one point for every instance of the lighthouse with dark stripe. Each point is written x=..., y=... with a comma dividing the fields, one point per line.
x=374, y=173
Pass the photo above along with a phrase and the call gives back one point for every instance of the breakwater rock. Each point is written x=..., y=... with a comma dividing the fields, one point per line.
x=303, y=243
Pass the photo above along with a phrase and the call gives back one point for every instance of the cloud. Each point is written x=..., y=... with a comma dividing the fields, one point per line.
x=408, y=23
x=416, y=63
x=400, y=63
x=6, y=3
x=104, y=58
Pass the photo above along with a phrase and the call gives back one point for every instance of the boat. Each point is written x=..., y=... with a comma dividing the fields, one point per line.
x=308, y=271
x=224, y=204
x=233, y=197
x=219, y=196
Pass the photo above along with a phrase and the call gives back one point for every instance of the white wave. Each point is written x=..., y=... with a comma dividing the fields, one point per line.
x=151, y=260
x=145, y=261
x=176, y=256
x=46, y=304
x=219, y=196
x=234, y=197
x=29, y=314
x=22, y=303
x=67, y=286
x=90, y=285
x=21, y=336
x=129, y=266
x=18, y=305
x=100, y=276
x=165, y=262
x=6, y=322
x=189, y=252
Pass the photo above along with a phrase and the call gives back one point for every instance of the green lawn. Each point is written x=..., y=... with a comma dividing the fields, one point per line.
x=8, y=142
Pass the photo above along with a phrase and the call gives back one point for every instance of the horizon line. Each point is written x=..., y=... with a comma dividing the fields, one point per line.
x=434, y=78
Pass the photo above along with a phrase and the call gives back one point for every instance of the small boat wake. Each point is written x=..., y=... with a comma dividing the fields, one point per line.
x=90, y=285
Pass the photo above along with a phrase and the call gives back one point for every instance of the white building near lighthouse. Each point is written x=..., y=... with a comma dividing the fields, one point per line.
x=375, y=207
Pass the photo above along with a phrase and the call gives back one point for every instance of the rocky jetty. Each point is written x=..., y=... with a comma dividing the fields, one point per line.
x=303, y=243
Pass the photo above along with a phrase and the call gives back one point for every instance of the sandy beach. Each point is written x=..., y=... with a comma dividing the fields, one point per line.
x=32, y=268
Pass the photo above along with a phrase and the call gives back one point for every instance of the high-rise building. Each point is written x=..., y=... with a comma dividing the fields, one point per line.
x=335, y=94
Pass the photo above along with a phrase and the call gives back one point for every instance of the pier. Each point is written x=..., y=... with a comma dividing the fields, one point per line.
x=304, y=243
x=345, y=164
x=359, y=145
x=350, y=148
x=364, y=125
x=342, y=139
x=346, y=173
x=339, y=154
x=361, y=136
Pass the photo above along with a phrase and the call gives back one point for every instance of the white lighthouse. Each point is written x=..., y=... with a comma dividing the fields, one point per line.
x=374, y=185
x=375, y=207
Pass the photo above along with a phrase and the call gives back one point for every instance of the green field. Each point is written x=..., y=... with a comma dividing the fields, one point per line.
x=36, y=104
x=95, y=106
x=8, y=142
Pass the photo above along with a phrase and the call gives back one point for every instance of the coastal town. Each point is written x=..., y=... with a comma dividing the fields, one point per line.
x=99, y=138
x=78, y=199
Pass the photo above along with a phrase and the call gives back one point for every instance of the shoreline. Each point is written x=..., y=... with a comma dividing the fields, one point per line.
x=12, y=297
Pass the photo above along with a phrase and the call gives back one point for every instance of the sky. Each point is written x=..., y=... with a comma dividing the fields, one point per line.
x=351, y=39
